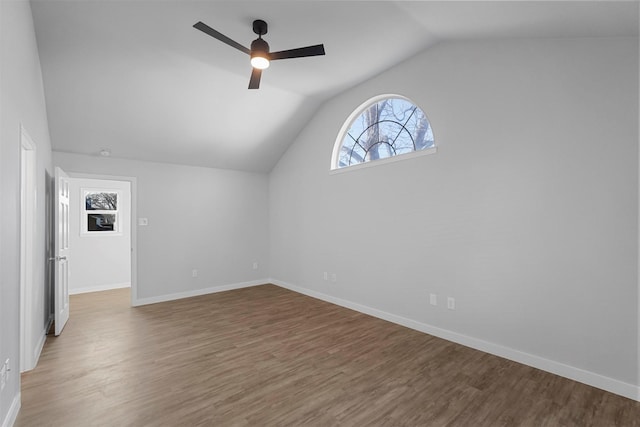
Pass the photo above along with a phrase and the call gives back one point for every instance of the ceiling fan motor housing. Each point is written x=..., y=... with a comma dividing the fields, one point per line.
x=259, y=46
x=260, y=27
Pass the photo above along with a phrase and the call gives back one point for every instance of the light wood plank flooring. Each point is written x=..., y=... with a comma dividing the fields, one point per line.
x=266, y=356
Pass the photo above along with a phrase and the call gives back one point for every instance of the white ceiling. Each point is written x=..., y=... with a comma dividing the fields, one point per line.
x=136, y=78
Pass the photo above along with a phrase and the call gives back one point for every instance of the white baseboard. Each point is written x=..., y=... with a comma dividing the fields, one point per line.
x=590, y=378
x=10, y=418
x=98, y=288
x=38, y=350
x=196, y=292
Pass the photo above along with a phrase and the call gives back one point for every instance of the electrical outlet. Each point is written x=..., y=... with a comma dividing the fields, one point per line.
x=334, y=277
x=433, y=299
x=194, y=273
x=255, y=265
x=451, y=303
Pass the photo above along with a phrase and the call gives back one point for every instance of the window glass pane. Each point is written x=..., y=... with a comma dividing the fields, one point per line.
x=352, y=152
x=101, y=222
x=387, y=128
x=404, y=143
x=380, y=150
x=101, y=201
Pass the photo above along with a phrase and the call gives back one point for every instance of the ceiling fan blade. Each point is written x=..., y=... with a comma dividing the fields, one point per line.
x=217, y=35
x=254, y=82
x=300, y=52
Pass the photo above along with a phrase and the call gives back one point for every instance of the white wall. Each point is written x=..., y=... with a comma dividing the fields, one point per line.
x=99, y=261
x=21, y=102
x=212, y=220
x=527, y=215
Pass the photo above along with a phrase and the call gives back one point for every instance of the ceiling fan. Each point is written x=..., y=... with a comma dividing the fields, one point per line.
x=259, y=52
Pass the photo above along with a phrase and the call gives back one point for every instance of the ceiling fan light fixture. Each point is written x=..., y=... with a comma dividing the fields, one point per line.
x=259, y=62
x=259, y=54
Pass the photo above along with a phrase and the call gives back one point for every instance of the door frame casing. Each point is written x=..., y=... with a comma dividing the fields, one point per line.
x=28, y=227
x=134, y=224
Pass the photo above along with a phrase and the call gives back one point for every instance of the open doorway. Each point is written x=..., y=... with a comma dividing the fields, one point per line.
x=102, y=233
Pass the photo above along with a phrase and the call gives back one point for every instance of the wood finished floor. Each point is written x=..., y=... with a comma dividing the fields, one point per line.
x=266, y=356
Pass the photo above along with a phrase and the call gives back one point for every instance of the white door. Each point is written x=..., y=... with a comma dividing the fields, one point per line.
x=62, y=250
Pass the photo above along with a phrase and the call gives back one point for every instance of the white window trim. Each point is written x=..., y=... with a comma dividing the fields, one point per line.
x=337, y=146
x=84, y=212
x=387, y=160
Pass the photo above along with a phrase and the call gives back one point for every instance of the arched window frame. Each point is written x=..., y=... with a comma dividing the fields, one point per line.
x=335, y=156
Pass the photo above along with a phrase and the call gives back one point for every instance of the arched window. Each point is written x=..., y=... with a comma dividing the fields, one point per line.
x=382, y=128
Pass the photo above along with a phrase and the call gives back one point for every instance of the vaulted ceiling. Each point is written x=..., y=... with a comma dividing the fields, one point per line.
x=136, y=78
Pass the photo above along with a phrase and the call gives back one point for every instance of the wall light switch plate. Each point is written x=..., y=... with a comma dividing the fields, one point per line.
x=451, y=303
x=433, y=299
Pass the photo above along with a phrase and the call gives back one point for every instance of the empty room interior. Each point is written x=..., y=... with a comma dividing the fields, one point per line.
x=389, y=213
